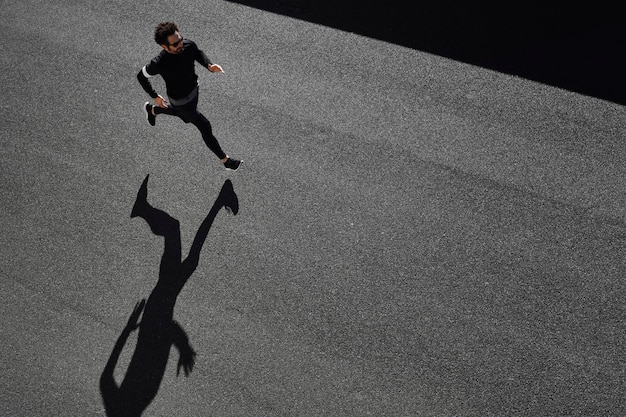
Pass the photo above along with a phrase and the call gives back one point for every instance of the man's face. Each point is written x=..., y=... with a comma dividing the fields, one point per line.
x=175, y=43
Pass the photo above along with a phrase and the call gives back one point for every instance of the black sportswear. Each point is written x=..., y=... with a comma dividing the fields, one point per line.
x=177, y=70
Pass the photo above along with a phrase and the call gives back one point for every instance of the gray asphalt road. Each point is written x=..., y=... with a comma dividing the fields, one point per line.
x=417, y=237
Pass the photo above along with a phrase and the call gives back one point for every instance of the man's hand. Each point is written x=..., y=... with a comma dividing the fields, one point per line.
x=161, y=102
x=215, y=68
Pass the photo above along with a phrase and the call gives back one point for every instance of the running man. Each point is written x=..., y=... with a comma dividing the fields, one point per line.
x=175, y=64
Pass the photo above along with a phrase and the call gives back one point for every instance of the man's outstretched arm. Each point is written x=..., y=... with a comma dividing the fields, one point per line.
x=204, y=60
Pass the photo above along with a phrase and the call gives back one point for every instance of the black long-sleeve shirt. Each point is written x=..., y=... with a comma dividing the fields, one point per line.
x=177, y=70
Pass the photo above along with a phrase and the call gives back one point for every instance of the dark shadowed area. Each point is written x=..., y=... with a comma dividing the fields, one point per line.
x=578, y=46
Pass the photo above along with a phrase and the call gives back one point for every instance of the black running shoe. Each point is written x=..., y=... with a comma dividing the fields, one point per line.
x=232, y=164
x=151, y=117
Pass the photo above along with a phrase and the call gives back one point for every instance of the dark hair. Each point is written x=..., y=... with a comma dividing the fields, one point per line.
x=163, y=31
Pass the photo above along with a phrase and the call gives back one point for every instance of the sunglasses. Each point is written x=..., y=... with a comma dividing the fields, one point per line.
x=178, y=42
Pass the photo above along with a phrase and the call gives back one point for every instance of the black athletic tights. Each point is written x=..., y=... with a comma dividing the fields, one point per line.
x=189, y=114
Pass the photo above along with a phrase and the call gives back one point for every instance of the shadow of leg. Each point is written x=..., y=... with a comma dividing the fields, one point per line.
x=227, y=199
x=158, y=331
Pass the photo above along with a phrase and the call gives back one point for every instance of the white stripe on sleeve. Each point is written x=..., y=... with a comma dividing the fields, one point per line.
x=145, y=73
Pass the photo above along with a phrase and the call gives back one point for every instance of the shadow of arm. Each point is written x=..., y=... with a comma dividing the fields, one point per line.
x=187, y=356
x=108, y=387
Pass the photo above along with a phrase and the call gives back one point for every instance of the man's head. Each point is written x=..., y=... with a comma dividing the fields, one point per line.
x=166, y=34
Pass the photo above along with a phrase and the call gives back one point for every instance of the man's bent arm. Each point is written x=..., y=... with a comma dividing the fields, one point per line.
x=142, y=77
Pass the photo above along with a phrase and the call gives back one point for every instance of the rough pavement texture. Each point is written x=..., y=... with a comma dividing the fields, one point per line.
x=416, y=236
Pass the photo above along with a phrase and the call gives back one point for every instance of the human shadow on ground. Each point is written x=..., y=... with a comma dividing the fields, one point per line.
x=576, y=46
x=158, y=331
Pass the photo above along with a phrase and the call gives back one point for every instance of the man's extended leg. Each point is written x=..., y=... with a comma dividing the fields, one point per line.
x=204, y=126
x=190, y=114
